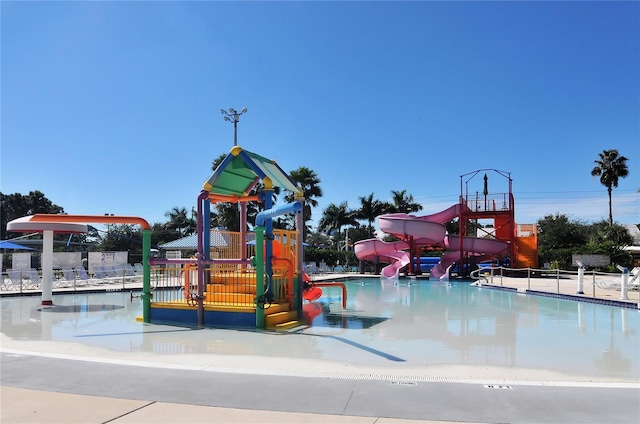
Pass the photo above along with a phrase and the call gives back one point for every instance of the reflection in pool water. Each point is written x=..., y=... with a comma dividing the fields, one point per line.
x=424, y=324
x=80, y=308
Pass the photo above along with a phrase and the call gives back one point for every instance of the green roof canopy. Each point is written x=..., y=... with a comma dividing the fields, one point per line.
x=238, y=173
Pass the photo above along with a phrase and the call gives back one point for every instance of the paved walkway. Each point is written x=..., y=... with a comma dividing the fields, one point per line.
x=604, y=288
x=37, y=406
x=75, y=391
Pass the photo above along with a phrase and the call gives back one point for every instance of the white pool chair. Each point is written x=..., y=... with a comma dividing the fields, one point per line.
x=65, y=281
x=33, y=279
x=312, y=268
x=98, y=271
x=15, y=279
x=5, y=283
x=72, y=277
x=102, y=277
x=131, y=274
x=68, y=274
x=608, y=284
x=111, y=272
x=82, y=278
x=634, y=279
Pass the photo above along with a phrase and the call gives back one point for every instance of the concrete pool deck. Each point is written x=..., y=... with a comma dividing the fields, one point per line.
x=82, y=385
x=36, y=406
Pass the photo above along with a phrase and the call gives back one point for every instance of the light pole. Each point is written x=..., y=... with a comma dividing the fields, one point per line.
x=233, y=116
x=108, y=224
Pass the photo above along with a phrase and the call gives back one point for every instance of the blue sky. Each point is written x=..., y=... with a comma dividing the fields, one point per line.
x=114, y=107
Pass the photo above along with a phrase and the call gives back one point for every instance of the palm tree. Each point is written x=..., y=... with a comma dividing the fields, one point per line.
x=309, y=182
x=217, y=161
x=616, y=235
x=335, y=217
x=370, y=209
x=609, y=168
x=227, y=216
x=179, y=221
x=403, y=203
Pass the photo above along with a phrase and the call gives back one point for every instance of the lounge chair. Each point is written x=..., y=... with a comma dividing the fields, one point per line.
x=73, y=278
x=122, y=273
x=68, y=274
x=15, y=279
x=81, y=276
x=633, y=283
x=634, y=279
x=111, y=272
x=609, y=284
x=131, y=273
x=5, y=283
x=118, y=272
x=312, y=268
x=101, y=275
x=33, y=279
x=66, y=280
x=107, y=275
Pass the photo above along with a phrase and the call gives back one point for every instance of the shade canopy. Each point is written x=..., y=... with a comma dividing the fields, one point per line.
x=239, y=172
x=4, y=244
x=27, y=224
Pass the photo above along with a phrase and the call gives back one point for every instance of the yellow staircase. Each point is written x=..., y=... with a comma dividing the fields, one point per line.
x=236, y=294
x=279, y=317
x=527, y=252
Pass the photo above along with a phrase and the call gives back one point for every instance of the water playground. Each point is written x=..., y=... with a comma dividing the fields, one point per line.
x=257, y=279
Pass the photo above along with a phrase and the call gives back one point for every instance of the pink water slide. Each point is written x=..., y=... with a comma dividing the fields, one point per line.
x=425, y=230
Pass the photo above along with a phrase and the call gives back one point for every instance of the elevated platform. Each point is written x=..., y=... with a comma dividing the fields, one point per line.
x=278, y=316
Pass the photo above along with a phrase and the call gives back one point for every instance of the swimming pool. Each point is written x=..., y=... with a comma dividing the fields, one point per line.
x=425, y=328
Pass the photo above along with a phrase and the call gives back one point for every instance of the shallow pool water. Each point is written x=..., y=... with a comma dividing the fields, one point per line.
x=418, y=325
x=457, y=323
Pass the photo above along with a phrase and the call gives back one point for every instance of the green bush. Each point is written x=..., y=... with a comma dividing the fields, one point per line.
x=330, y=257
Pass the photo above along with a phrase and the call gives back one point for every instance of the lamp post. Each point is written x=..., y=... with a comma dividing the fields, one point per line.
x=108, y=224
x=233, y=116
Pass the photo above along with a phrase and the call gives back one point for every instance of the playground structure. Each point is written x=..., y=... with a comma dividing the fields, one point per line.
x=239, y=279
x=236, y=279
x=503, y=239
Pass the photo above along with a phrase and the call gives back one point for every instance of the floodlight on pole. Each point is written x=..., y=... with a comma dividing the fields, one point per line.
x=233, y=115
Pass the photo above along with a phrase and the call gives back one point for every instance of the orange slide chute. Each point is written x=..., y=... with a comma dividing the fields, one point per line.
x=312, y=292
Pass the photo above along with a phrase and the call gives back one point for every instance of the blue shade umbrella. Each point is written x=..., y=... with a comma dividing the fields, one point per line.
x=9, y=245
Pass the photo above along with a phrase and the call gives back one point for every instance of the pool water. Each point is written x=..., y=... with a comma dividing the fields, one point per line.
x=459, y=323
x=421, y=325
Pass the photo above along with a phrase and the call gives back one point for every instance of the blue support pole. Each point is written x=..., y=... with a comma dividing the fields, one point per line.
x=268, y=254
x=259, y=264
